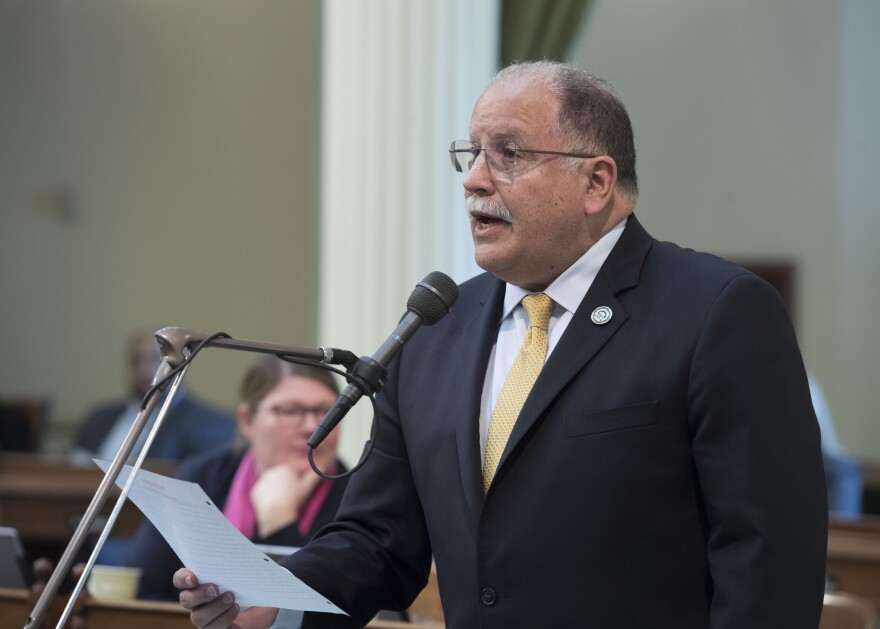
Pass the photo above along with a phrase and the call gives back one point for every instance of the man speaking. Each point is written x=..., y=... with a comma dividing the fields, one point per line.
x=607, y=431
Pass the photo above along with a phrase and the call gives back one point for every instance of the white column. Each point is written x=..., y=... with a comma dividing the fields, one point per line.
x=852, y=369
x=399, y=80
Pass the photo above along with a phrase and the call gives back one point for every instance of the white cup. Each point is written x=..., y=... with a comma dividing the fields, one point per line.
x=114, y=583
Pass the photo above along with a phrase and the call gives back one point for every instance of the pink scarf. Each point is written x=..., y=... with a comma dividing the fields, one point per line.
x=240, y=511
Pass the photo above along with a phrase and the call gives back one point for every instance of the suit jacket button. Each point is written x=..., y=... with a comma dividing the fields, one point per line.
x=488, y=597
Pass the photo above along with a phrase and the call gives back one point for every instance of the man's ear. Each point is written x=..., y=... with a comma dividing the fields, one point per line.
x=600, y=175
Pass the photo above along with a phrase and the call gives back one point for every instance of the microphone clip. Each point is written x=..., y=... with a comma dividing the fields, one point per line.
x=368, y=374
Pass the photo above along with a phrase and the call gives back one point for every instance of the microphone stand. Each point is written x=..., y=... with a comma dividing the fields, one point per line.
x=177, y=347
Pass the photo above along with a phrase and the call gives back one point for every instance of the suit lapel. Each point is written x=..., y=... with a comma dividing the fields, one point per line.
x=583, y=338
x=475, y=345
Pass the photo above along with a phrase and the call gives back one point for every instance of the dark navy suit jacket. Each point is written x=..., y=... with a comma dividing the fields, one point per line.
x=191, y=428
x=665, y=470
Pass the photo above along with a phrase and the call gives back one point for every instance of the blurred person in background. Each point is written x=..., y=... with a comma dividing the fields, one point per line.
x=843, y=471
x=191, y=427
x=263, y=484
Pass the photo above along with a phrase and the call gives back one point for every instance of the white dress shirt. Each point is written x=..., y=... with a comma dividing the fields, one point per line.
x=567, y=291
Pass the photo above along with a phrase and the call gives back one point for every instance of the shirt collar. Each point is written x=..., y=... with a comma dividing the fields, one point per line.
x=568, y=290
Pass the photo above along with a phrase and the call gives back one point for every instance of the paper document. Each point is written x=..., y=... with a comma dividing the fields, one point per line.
x=213, y=548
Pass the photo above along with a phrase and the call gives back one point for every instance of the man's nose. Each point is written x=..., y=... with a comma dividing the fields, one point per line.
x=478, y=179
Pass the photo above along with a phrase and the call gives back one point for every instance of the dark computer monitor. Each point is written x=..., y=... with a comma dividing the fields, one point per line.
x=14, y=571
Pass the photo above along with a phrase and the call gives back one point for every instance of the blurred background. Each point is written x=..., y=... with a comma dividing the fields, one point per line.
x=278, y=171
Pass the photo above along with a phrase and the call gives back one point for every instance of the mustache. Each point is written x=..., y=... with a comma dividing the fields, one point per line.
x=487, y=207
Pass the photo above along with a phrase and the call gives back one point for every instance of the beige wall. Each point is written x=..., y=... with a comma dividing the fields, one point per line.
x=185, y=135
x=758, y=136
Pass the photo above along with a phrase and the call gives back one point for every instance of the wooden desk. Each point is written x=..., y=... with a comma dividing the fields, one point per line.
x=94, y=614
x=16, y=605
x=45, y=497
x=853, y=560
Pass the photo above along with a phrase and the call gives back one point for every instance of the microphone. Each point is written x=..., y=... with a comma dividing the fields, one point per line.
x=431, y=300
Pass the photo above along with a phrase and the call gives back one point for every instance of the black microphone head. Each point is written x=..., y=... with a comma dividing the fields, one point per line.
x=433, y=297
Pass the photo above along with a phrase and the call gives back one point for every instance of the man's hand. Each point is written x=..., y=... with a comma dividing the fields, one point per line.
x=211, y=609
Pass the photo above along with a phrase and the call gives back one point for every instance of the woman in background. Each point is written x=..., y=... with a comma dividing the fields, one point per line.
x=264, y=485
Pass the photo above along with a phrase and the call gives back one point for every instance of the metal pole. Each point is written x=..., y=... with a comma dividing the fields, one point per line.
x=120, y=501
x=94, y=508
x=176, y=345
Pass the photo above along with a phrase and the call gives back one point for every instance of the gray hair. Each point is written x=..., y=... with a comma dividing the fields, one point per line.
x=592, y=118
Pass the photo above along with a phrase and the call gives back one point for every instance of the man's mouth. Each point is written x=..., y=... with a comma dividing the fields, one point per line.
x=485, y=213
x=485, y=220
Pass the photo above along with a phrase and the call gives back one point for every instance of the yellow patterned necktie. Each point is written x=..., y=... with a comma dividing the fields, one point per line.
x=520, y=378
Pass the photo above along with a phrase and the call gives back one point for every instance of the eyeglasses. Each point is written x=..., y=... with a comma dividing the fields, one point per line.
x=298, y=413
x=502, y=155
